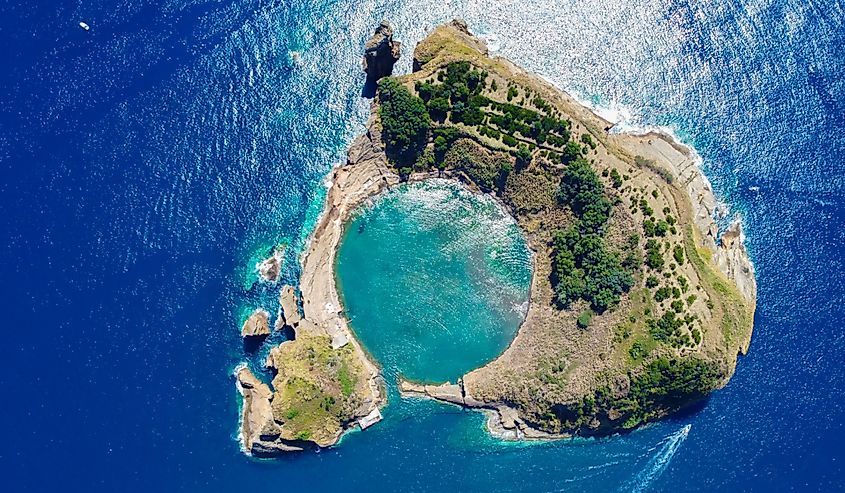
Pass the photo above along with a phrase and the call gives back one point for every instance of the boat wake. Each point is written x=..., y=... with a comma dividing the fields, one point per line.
x=664, y=451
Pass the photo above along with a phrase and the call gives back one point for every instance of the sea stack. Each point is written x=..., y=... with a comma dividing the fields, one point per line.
x=257, y=325
x=380, y=53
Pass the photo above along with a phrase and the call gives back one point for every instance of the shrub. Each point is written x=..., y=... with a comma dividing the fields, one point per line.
x=523, y=156
x=638, y=350
x=583, y=268
x=509, y=140
x=424, y=90
x=654, y=258
x=477, y=163
x=588, y=139
x=663, y=328
x=529, y=191
x=662, y=294
x=651, y=282
x=571, y=152
x=584, y=319
x=696, y=336
x=678, y=253
x=615, y=178
x=425, y=161
x=438, y=108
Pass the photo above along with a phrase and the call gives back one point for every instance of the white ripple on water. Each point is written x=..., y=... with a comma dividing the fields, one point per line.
x=665, y=450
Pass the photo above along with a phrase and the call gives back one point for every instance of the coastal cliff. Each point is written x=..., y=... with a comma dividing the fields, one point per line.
x=381, y=52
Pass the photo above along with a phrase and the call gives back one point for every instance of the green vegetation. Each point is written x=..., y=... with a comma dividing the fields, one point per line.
x=315, y=388
x=582, y=190
x=530, y=191
x=660, y=171
x=486, y=170
x=639, y=350
x=615, y=178
x=405, y=122
x=588, y=139
x=653, y=257
x=678, y=254
x=529, y=155
x=583, y=267
x=663, y=385
x=584, y=319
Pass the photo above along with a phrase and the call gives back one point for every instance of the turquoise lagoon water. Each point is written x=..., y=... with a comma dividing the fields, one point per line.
x=434, y=279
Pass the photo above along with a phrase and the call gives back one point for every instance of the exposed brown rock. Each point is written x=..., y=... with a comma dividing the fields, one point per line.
x=257, y=325
x=259, y=432
x=290, y=307
x=380, y=53
x=271, y=268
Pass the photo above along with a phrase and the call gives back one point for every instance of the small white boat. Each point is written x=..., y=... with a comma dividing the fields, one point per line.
x=85, y=26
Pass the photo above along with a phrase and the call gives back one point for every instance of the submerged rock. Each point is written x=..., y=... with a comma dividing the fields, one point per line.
x=270, y=269
x=380, y=53
x=257, y=325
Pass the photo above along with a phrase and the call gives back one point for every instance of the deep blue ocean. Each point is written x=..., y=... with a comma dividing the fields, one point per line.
x=148, y=162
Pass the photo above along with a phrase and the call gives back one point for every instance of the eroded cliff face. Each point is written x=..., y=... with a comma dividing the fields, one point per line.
x=323, y=381
x=381, y=52
x=257, y=325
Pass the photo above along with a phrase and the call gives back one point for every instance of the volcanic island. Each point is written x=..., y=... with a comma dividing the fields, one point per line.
x=639, y=303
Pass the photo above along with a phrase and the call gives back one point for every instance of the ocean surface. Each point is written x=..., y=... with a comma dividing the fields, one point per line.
x=149, y=162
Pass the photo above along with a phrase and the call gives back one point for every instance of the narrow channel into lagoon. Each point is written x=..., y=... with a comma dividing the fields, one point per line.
x=434, y=279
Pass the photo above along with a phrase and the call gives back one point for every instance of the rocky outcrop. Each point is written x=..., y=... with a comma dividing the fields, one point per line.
x=380, y=53
x=732, y=258
x=729, y=253
x=289, y=314
x=257, y=325
x=270, y=269
x=259, y=432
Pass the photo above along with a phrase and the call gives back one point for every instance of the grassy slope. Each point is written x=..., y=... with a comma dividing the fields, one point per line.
x=316, y=388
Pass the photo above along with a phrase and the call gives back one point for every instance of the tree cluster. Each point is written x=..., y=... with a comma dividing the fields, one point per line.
x=404, y=120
